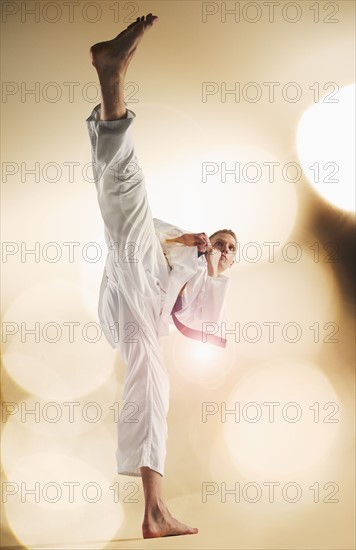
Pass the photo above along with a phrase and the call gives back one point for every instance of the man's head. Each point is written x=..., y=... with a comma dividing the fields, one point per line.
x=225, y=240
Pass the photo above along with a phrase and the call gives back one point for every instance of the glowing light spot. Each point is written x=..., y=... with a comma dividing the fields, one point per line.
x=52, y=349
x=54, y=490
x=289, y=437
x=326, y=147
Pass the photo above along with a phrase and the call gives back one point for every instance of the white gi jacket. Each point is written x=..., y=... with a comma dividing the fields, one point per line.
x=204, y=299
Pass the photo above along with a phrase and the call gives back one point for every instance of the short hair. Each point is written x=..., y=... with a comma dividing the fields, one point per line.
x=229, y=231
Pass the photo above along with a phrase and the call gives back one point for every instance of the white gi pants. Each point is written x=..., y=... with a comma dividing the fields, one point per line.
x=136, y=271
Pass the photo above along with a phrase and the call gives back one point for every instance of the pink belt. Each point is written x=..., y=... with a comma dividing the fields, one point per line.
x=193, y=333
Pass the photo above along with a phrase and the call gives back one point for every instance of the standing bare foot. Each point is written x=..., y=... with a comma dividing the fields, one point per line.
x=158, y=522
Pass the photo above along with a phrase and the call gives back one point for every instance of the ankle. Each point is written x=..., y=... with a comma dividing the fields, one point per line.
x=154, y=508
x=113, y=115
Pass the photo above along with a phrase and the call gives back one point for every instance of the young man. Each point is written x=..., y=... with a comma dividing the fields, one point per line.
x=154, y=273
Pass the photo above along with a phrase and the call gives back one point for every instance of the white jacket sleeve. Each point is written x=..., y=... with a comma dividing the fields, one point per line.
x=204, y=300
x=166, y=230
x=212, y=300
x=177, y=254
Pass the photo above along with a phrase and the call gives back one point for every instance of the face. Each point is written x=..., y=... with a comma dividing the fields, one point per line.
x=227, y=245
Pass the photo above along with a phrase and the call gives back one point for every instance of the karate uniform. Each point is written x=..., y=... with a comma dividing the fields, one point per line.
x=141, y=282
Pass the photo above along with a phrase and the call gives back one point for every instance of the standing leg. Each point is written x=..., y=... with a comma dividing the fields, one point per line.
x=111, y=60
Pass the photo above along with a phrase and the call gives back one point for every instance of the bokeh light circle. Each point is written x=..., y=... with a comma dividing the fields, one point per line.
x=52, y=349
x=326, y=147
x=70, y=499
x=290, y=437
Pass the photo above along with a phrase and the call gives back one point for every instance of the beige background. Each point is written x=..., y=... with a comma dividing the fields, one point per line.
x=175, y=132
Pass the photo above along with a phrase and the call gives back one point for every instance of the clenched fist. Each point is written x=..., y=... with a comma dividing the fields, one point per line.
x=201, y=240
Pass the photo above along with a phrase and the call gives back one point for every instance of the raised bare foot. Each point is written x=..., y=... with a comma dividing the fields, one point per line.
x=113, y=56
x=159, y=523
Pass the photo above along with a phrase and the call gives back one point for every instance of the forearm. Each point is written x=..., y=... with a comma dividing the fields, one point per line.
x=212, y=271
x=175, y=240
x=212, y=261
